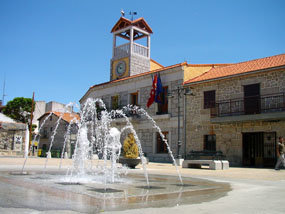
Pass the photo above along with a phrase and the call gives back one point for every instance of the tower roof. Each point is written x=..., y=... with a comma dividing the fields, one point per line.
x=124, y=22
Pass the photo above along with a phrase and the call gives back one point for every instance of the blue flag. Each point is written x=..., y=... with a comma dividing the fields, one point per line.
x=158, y=90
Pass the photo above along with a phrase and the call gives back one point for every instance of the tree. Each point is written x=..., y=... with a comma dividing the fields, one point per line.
x=19, y=109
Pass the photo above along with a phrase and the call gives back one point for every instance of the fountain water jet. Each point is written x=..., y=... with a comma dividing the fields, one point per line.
x=96, y=135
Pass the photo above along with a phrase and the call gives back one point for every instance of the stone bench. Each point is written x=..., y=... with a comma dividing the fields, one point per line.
x=213, y=164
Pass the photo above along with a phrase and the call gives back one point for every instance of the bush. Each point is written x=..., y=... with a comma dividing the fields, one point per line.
x=130, y=147
x=55, y=153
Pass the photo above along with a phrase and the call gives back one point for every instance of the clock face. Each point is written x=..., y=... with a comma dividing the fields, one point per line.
x=121, y=68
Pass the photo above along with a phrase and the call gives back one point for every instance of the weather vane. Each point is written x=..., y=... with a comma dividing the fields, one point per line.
x=131, y=14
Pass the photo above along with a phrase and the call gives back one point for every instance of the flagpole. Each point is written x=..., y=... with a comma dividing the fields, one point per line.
x=31, y=123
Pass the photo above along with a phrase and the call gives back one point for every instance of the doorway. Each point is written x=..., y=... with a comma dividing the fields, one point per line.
x=252, y=99
x=259, y=149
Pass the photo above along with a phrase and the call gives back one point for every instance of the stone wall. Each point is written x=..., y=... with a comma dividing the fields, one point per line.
x=229, y=135
x=47, y=131
x=12, y=139
x=139, y=64
x=171, y=77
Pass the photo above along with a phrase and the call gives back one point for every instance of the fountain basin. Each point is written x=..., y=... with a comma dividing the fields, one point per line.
x=49, y=191
x=130, y=162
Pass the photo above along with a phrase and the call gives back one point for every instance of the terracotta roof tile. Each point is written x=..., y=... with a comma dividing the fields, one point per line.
x=240, y=68
x=68, y=117
x=124, y=22
x=138, y=75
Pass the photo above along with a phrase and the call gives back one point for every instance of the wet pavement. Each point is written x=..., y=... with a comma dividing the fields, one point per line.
x=49, y=191
x=238, y=190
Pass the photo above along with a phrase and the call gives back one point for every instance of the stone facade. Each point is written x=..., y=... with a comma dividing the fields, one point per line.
x=172, y=78
x=42, y=107
x=48, y=130
x=12, y=139
x=139, y=64
x=230, y=130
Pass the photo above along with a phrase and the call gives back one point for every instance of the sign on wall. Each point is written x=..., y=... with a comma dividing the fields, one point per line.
x=18, y=140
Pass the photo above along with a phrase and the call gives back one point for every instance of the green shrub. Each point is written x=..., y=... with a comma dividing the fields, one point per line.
x=130, y=147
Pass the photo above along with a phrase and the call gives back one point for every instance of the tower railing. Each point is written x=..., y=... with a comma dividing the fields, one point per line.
x=124, y=50
x=140, y=50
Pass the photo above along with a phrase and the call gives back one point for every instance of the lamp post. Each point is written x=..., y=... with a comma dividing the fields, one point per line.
x=178, y=91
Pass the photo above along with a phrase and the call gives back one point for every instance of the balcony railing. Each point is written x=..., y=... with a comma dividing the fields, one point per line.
x=250, y=105
x=129, y=112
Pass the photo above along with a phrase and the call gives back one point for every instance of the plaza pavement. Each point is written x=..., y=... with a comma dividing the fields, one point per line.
x=254, y=190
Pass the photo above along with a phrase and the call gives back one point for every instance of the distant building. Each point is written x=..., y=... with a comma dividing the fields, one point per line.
x=48, y=130
x=12, y=137
x=41, y=107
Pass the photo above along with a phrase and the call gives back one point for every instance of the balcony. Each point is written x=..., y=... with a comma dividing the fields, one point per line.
x=131, y=113
x=128, y=112
x=264, y=107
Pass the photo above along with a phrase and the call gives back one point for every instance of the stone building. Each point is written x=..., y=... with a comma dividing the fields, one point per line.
x=48, y=123
x=130, y=82
x=239, y=109
x=42, y=107
x=236, y=108
x=12, y=137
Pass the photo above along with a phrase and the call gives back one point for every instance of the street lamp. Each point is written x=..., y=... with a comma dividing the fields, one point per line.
x=178, y=91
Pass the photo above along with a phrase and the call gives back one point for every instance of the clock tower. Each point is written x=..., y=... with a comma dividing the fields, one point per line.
x=131, y=48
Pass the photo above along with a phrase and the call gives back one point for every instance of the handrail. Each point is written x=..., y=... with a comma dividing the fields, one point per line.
x=249, y=105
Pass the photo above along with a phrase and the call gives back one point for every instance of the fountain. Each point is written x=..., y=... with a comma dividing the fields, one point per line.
x=106, y=184
x=95, y=131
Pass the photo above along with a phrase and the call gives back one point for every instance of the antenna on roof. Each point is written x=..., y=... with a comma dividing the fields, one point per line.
x=4, y=84
x=122, y=13
x=132, y=14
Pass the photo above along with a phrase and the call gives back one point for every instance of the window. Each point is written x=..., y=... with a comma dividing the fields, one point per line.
x=209, y=99
x=134, y=99
x=160, y=144
x=45, y=132
x=210, y=142
x=115, y=102
x=162, y=108
x=252, y=99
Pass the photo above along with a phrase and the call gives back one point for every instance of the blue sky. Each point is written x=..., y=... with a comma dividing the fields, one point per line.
x=59, y=48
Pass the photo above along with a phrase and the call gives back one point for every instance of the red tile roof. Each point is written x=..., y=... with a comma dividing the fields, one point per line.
x=124, y=22
x=68, y=117
x=142, y=74
x=239, y=68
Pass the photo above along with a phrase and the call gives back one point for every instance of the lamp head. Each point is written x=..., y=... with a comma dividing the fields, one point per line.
x=188, y=91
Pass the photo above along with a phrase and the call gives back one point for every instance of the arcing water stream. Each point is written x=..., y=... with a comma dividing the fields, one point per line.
x=96, y=136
